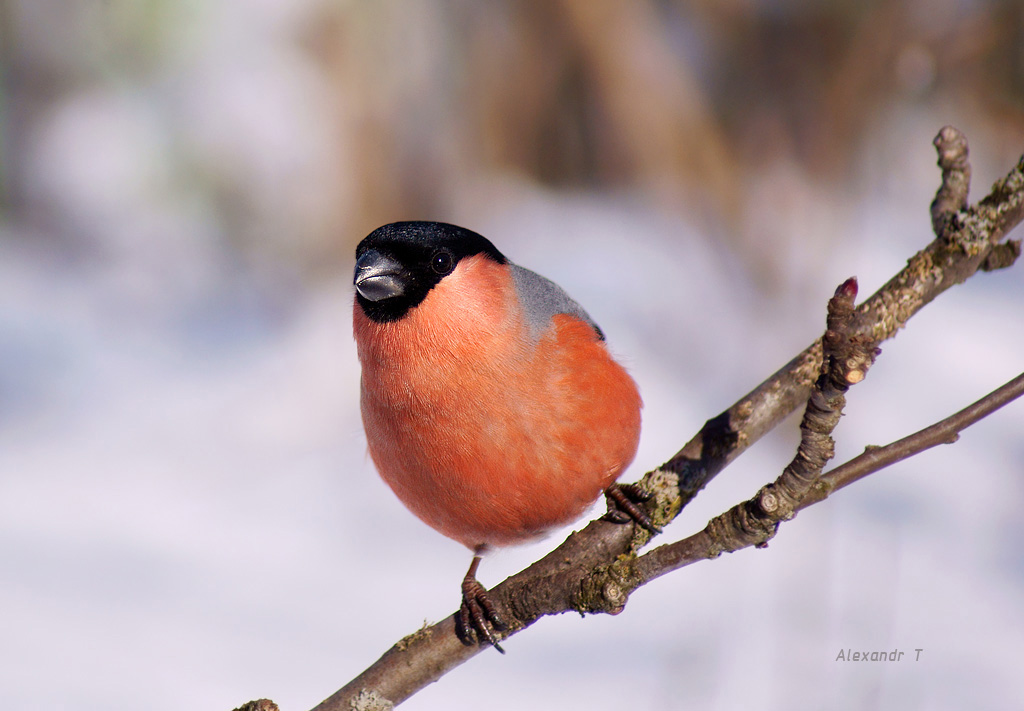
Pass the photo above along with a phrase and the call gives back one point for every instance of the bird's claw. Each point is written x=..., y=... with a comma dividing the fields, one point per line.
x=623, y=506
x=478, y=618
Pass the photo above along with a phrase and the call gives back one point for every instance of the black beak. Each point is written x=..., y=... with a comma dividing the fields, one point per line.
x=378, y=277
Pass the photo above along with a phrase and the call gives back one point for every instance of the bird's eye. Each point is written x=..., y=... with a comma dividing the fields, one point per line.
x=442, y=262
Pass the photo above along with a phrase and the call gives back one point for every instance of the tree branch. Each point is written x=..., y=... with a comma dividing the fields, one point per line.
x=717, y=538
x=570, y=577
x=847, y=355
x=945, y=432
x=965, y=242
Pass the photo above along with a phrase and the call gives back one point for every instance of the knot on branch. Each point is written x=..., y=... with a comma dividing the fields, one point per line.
x=743, y=525
x=1003, y=255
x=774, y=504
x=607, y=589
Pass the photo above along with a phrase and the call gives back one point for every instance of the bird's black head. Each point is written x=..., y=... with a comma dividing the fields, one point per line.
x=398, y=264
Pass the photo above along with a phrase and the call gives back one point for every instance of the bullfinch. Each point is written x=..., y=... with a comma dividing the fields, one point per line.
x=491, y=404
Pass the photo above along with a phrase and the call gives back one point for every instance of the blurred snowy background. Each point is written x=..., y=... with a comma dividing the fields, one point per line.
x=187, y=515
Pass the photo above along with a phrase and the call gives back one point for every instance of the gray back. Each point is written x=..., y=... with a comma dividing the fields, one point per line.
x=543, y=298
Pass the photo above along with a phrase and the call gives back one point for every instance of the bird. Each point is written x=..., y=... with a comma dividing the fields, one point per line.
x=492, y=406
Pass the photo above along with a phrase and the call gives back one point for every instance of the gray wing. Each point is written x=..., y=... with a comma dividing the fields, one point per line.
x=543, y=298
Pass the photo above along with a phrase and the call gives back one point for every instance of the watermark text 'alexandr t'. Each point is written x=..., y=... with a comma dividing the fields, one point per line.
x=896, y=655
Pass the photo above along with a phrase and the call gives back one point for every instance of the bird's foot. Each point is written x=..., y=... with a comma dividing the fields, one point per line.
x=624, y=506
x=478, y=617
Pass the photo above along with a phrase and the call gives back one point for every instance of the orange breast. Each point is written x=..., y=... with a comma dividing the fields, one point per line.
x=486, y=436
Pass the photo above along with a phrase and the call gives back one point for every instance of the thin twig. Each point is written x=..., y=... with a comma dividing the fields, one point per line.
x=945, y=432
x=956, y=178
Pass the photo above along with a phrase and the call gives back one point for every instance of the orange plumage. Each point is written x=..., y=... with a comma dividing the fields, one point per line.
x=487, y=437
x=491, y=404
